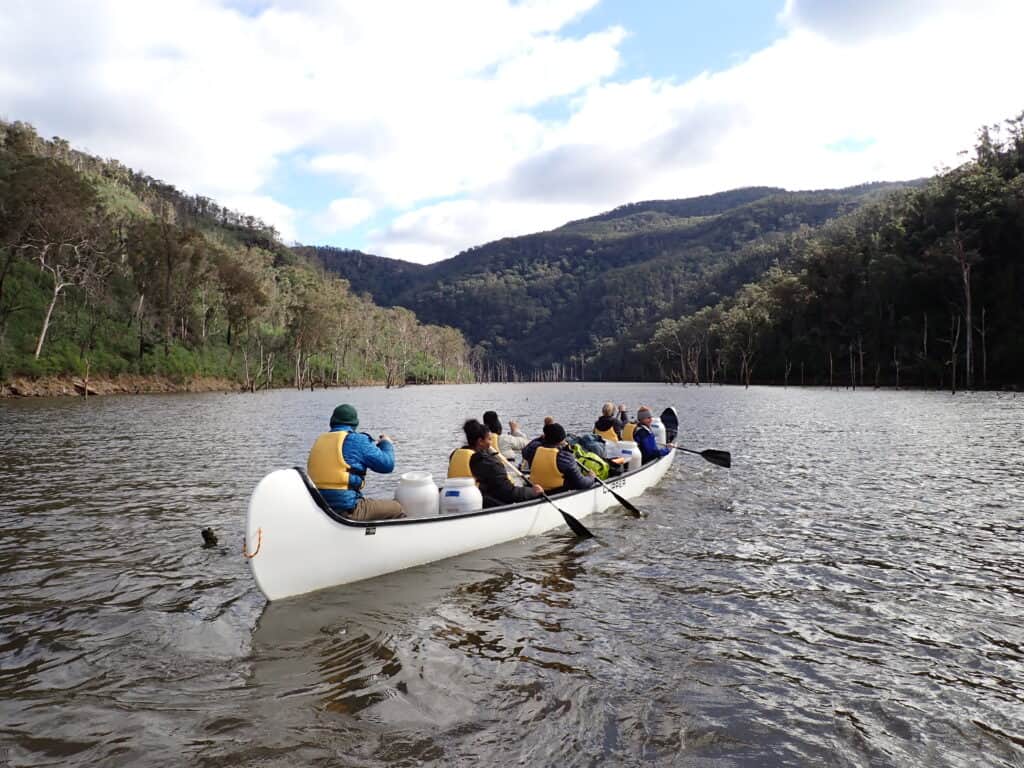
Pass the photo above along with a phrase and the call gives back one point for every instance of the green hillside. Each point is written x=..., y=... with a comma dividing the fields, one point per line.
x=105, y=271
x=572, y=294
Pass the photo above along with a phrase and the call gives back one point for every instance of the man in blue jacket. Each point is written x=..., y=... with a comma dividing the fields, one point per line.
x=643, y=435
x=338, y=463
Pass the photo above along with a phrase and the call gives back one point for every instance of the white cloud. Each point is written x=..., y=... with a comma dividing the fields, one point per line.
x=346, y=213
x=396, y=105
x=438, y=231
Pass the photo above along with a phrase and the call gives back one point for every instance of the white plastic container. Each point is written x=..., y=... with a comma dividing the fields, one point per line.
x=659, y=431
x=460, y=494
x=631, y=453
x=417, y=494
x=611, y=449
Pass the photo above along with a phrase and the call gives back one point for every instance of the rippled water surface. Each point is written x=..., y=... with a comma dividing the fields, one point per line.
x=850, y=593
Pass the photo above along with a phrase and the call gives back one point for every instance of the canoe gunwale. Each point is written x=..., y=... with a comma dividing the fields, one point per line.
x=337, y=517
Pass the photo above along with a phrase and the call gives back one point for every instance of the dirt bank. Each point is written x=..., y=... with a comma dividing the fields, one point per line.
x=57, y=386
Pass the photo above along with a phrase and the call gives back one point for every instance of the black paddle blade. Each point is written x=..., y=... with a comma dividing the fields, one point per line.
x=721, y=458
x=670, y=419
x=577, y=527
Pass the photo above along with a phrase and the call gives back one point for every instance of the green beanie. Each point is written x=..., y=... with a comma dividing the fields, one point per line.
x=344, y=414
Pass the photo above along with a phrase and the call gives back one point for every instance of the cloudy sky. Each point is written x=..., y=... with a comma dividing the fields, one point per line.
x=417, y=129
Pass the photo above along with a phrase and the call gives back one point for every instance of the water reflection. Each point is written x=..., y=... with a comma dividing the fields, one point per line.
x=357, y=635
x=851, y=592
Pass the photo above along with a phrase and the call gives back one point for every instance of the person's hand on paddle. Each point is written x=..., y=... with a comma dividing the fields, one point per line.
x=387, y=438
x=537, y=489
x=513, y=427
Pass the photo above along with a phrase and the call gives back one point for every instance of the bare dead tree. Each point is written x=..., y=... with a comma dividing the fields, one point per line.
x=984, y=350
x=963, y=259
x=954, y=345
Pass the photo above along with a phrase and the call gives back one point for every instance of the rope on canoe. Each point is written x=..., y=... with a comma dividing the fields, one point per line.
x=259, y=543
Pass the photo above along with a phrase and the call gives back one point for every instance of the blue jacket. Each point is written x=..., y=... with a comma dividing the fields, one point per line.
x=360, y=454
x=648, y=445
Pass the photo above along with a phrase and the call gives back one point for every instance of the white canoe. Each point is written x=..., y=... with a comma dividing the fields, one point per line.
x=297, y=544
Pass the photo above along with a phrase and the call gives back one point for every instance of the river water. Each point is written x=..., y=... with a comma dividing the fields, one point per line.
x=850, y=593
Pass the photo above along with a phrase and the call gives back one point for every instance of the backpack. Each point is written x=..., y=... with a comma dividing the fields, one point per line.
x=589, y=442
x=591, y=461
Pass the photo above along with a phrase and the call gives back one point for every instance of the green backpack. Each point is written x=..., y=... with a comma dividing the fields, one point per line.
x=591, y=461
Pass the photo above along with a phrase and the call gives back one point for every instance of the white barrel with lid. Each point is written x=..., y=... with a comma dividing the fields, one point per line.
x=460, y=494
x=659, y=431
x=631, y=453
x=417, y=494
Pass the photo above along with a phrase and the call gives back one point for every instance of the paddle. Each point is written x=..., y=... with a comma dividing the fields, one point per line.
x=577, y=527
x=670, y=419
x=721, y=458
x=622, y=500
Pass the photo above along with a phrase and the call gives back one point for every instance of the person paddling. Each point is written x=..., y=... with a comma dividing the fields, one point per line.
x=338, y=463
x=552, y=465
x=490, y=471
x=644, y=437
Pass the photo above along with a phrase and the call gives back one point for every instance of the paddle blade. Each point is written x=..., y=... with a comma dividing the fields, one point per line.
x=577, y=527
x=670, y=419
x=721, y=458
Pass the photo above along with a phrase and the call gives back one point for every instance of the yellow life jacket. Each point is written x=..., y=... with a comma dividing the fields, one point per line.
x=326, y=465
x=607, y=434
x=627, y=431
x=544, y=469
x=494, y=442
x=458, y=464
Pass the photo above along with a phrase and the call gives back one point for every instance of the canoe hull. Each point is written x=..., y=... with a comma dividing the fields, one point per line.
x=296, y=546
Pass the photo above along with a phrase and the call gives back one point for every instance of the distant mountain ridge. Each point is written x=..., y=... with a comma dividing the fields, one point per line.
x=544, y=298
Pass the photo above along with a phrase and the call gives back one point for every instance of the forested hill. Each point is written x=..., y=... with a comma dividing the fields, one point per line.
x=923, y=287
x=564, y=297
x=381, y=277
x=107, y=272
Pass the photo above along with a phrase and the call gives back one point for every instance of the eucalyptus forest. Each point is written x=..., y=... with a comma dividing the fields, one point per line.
x=106, y=271
x=917, y=284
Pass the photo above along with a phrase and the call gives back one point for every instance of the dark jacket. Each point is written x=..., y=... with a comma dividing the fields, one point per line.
x=607, y=422
x=645, y=440
x=491, y=475
x=566, y=463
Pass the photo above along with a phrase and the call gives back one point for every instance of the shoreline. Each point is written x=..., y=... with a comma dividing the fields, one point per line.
x=98, y=386
x=132, y=384
x=137, y=384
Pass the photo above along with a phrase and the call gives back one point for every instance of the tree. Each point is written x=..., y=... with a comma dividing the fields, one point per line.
x=51, y=215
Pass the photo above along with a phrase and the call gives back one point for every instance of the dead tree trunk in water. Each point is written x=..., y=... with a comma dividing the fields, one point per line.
x=984, y=351
x=965, y=276
x=924, y=353
x=954, y=344
x=860, y=352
